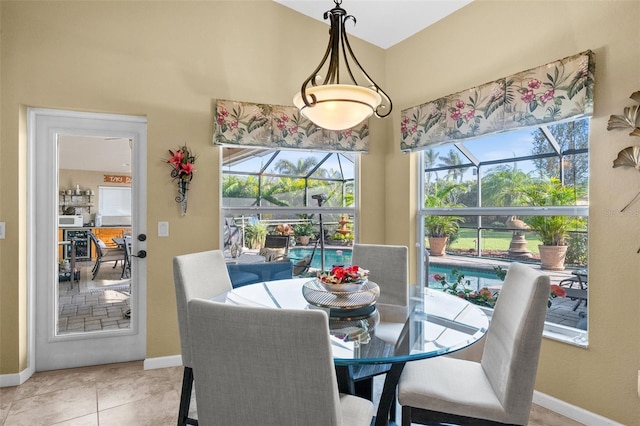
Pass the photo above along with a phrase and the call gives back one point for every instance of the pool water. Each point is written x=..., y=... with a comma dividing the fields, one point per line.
x=331, y=256
x=478, y=279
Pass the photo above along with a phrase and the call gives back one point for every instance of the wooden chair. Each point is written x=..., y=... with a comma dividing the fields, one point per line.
x=498, y=389
x=196, y=275
x=268, y=367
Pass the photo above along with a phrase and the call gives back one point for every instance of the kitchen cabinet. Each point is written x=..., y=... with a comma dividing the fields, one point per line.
x=60, y=246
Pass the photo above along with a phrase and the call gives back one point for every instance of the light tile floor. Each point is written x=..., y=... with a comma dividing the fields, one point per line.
x=122, y=394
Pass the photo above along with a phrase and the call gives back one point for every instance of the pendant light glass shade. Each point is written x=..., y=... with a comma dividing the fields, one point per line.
x=333, y=105
x=339, y=106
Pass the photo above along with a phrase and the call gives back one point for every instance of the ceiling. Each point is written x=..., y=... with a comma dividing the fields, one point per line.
x=102, y=154
x=382, y=22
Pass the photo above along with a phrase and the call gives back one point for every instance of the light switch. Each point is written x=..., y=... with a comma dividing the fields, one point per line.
x=163, y=229
x=3, y=226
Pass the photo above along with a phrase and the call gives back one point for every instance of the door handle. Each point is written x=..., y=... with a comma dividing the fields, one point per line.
x=141, y=254
x=142, y=237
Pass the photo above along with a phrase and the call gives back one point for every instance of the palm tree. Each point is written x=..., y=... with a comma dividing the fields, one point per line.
x=503, y=187
x=239, y=187
x=301, y=168
x=430, y=157
x=453, y=160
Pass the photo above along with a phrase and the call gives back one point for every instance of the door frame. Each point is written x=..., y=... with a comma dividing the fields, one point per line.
x=45, y=125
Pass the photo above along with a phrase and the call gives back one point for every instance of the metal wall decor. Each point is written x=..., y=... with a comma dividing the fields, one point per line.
x=182, y=169
x=630, y=156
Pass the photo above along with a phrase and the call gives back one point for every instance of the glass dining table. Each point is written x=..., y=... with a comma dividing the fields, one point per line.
x=434, y=324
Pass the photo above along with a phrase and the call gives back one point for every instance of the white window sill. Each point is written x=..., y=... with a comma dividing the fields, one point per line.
x=560, y=333
x=565, y=334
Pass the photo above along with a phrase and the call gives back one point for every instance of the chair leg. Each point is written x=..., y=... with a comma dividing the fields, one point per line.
x=406, y=416
x=96, y=269
x=185, y=398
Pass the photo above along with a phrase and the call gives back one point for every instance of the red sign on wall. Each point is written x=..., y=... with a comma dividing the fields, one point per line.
x=117, y=179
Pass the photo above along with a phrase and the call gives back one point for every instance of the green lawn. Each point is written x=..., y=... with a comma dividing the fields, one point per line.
x=492, y=240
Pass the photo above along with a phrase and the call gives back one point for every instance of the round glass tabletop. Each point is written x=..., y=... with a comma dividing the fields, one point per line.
x=433, y=324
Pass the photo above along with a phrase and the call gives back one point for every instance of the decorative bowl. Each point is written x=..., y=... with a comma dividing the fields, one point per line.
x=340, y=296
x=344, y=287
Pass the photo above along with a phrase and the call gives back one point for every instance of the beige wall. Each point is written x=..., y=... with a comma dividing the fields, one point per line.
x=491, y=39
x=167, y=61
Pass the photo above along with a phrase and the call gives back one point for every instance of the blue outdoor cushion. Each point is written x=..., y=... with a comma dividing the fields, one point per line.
x=251, y=273
x=240, y=278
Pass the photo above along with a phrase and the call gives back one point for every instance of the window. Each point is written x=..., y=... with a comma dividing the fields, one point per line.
x=501, y=198
x=114, y=201
x=288, y=192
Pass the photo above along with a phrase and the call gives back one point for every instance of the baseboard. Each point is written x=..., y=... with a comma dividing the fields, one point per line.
x=571, y=411
x=15, y=379
x=163, y=362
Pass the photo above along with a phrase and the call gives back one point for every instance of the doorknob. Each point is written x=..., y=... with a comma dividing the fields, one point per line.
x=142, y=237
x=141, y=254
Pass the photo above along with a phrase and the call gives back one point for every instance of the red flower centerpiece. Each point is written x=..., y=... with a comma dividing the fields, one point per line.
x=342, y=278
x=342, y=275
x=344, y=290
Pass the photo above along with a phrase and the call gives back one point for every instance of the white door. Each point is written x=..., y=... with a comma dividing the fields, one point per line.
x=54, y=345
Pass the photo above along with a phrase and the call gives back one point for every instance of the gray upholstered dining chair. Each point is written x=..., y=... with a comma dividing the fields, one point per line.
x=499, y=388
x=200, y=275
x=268, y=367
x=389, y=268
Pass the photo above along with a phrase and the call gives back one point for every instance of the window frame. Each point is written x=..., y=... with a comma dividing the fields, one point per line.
x=228, y=211
x=553, y=331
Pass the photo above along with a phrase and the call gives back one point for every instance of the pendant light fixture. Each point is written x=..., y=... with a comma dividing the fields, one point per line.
x=333, y=105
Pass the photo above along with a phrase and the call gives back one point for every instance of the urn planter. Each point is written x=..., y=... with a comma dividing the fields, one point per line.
x=552, y=257
x=437, y=246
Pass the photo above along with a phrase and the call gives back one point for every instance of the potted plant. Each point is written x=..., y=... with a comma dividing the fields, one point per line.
x=254, y=234
x=553, y=231
x=304, y=232
x=439, y=228
x=341, y=239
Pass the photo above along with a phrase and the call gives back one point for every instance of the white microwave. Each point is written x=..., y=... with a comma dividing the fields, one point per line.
x=70, y=221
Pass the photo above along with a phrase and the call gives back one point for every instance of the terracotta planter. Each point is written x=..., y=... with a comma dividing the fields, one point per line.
x=303, y=240
x=552, y=257
x=437, y=245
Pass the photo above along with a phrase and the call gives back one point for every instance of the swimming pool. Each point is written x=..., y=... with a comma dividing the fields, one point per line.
x=477, y=278
x=331, y=256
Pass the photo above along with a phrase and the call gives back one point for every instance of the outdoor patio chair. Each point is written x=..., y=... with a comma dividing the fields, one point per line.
x=200, y=275
x=276, y=248
x=499, y=388
x=104, y=255
x=268, y=367
x=576, y=287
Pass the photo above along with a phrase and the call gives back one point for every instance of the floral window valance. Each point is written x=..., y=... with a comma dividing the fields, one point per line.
x=280, y=127
x=550, y=93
